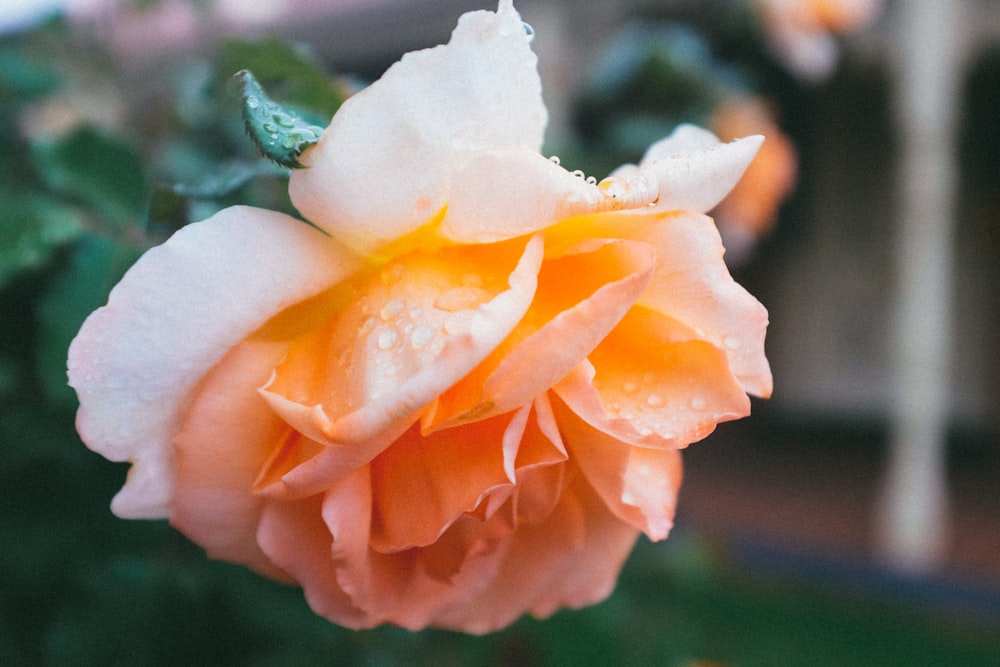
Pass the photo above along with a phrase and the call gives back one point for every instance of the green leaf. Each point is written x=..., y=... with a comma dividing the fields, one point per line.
x=32, y=228
x=22, y=79
x=291, y=73
x=280, y=134
x=96, y=168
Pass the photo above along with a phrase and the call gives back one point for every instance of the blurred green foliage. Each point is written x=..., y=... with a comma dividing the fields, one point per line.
x=79, y=202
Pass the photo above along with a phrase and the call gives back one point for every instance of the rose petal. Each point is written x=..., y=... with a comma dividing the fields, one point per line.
x=407, y=588
x=570, y=560
x=638, y=484
x=295, y=538
x=497, y=195
x=567, y=319
x=691, y=169
x=228, y=434
x=173, y=316
x=430, y=319
x=652, y=383
x=692, y=285
x=384, y=165
x=422, y=484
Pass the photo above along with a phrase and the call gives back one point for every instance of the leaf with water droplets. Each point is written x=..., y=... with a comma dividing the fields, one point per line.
x=280, y=133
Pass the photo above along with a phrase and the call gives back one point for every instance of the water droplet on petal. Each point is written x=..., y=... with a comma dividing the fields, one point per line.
x=462, y=298
x=654, y=401
x=421, y=336
x=554, y=159
x=732, y=342
x=529, y=32
x=391, y=309
x=578, y=173
x=614, y=187
x=387, y=339
x=252, y=102
x=698, y=403
x=630, y=387
x=591, y=180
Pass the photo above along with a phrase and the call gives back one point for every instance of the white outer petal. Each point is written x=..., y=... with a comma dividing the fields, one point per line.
x=384, y=165
x=173, y=316
x=691, y=170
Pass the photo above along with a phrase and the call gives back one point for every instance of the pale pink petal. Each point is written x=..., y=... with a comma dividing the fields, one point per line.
x=638, y=484
x=410, y=333
x=652, y=383
x=384, y=165
x=173, y=316
x=228, y=434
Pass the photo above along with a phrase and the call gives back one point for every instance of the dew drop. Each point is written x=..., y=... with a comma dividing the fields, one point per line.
x=529, y=32
x=654, y=401
x=421, y=336
x=698, y=403
x=645, y=430
x=367, y=326
x=391, y=309
x=591, y=180
x=732, y=342
x=387, y=339
x=578, y=173
x=614, y=187
x=271, y=127
x=630, y=387
x=461, y=298
x=252, y=102
x=554, y=159
x=416, y=312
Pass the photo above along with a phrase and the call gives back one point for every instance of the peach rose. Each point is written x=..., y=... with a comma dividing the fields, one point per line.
x=748, y=213
x=802, y=33
x=460, y=396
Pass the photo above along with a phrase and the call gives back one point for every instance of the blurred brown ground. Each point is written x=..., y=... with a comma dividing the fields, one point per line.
x=816, y=488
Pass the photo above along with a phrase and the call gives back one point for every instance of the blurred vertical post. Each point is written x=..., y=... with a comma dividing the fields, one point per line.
x=913, y=530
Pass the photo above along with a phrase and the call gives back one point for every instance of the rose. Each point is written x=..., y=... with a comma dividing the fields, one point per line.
x=802, y=33
x=749, y=211
x=460, y=396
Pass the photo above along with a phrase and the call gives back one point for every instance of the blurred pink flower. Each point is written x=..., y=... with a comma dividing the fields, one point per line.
x=803, y=33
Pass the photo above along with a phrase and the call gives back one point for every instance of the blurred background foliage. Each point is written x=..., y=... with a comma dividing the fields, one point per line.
x=94, y=170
